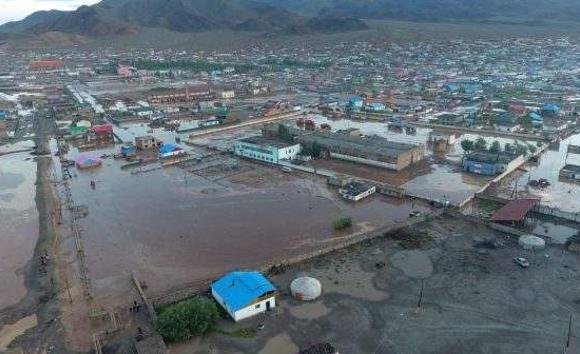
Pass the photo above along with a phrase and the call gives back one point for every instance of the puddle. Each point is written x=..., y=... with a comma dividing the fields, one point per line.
x=279, y=344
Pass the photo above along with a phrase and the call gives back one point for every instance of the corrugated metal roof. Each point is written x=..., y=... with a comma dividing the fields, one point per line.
x=515, y=210
x=239, y=289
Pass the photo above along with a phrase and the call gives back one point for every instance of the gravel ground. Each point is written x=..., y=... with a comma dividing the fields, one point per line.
x=476, y=300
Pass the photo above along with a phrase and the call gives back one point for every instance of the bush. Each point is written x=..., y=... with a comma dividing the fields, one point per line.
x=186, y=319
x=342, y=223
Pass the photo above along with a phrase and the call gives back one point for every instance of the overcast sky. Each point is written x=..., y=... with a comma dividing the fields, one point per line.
x=11, y=10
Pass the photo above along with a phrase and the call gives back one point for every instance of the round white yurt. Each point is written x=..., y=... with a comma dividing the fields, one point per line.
x=531, y=242
x=84, y=124
x=306, y=288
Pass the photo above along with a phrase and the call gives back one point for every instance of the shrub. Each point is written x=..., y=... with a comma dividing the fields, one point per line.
x=342, y=223
x=186, y=319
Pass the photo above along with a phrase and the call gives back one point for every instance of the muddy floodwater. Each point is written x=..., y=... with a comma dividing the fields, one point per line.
x=19, y=223
x=561, y=193
x=170, y=226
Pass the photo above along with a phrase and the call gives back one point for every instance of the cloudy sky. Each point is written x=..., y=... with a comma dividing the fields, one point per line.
x=11, y=10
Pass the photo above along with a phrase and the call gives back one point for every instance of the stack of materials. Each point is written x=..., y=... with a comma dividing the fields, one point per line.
x=84, y=161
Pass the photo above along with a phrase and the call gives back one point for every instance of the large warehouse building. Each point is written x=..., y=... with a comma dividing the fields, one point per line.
x=372, y=150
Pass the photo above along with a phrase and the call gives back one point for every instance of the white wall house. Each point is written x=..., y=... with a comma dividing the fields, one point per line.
x=244, y=294
x=268, y=150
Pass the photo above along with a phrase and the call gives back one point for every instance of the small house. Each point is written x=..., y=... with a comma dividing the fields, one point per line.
x=102, y=131
x=536, y=119
x=356, y=191
x=147, y=142
x=244, y=294
x=487, y=163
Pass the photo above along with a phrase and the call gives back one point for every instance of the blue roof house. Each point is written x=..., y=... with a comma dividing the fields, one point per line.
x=354, y=102
x=536, y=118
x=244, y=294
x=551, y=108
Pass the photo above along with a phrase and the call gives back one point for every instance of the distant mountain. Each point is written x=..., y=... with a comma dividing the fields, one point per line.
x=436, y=10
x=117, y=17
x=121, y=17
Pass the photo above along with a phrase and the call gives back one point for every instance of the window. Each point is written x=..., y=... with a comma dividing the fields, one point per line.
x=258, y=306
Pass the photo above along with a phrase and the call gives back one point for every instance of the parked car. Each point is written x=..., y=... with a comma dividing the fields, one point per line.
x=522, y=262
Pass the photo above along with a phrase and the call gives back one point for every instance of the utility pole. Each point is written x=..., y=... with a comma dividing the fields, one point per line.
x=420, y=302
x=569, y=335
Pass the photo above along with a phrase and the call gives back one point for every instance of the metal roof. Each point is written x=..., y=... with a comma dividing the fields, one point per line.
x=515, y=210
x=263, y=141
x=239, y=289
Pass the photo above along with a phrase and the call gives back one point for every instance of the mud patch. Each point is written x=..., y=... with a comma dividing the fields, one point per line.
x=415, y=264
x=279, y=344
x=310, y=310
x=10, y=332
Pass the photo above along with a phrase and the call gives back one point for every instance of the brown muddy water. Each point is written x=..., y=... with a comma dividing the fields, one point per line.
x=18, y=223
x=172, y=227
x=561, y=194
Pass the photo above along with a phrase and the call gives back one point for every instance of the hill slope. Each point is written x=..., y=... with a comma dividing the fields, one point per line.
x=116, y=17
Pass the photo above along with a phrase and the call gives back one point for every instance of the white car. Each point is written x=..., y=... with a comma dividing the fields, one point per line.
x=522, y=262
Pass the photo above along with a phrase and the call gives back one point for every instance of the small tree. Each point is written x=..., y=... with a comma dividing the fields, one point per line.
x=342, y=223
x=480, y=144
x=284, y=133
x=509, y=148
x=495, y=147
x=532, y=148
x=186, y=319
x=521, y=149
x=467, y=145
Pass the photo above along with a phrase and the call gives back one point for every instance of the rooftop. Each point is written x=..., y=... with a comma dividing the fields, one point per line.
x=515, y=210
x=263, y=141
x=238, y=289
x=375, y=144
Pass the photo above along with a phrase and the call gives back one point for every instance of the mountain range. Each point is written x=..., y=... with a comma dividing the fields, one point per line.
x=122, y=17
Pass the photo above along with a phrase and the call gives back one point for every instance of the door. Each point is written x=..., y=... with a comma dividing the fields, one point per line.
x=267, y=305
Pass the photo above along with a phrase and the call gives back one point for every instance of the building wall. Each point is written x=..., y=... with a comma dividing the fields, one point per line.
x=266, y=153
x=482, y=168
x=375, y=163
x=227, y=94
x=262, y=153
x=410, y=157
x=290, y=152
x=249, y=311
x=254, y=309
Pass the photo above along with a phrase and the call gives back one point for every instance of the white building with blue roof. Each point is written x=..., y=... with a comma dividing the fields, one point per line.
x=244, y=294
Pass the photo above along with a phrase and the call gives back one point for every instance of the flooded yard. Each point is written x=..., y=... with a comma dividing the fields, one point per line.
x=171, y=226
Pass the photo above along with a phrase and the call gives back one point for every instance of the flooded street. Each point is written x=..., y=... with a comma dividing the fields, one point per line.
x=561, y=193
x=19, y=226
